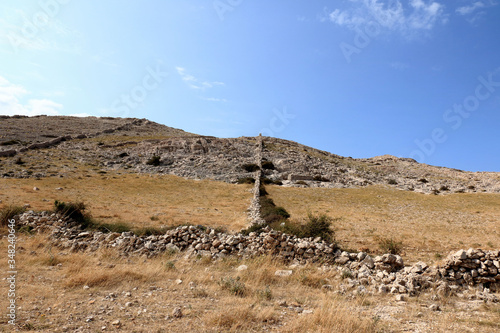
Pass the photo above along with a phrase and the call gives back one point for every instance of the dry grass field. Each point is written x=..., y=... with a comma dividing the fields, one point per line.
x=78, y=292
x=82, y=292
x=138, y=200
x=429, y=226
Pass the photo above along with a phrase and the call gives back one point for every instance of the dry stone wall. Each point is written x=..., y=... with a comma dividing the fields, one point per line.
x=254, y=209
x=363, y=273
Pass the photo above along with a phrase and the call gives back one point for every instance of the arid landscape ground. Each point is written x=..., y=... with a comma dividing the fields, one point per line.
x=109, y=164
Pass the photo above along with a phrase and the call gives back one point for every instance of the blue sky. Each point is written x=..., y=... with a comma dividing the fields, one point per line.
x=357, y=78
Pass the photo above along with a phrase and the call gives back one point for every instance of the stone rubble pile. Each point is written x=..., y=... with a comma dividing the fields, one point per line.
x=472, y=267
x=362, y=273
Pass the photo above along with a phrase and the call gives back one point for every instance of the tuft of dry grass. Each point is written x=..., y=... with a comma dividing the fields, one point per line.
x=241, y=318
x=332, y=315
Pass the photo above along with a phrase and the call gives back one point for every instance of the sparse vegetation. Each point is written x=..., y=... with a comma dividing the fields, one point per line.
x=154, y=161
x=268, y=165
x=320, y=178
x=234, y=286
x=19, y=161
x=246, y=180
x=250, y=167
x=8, y=213
x=268, y=181
x=270, y=212
x=389, y=245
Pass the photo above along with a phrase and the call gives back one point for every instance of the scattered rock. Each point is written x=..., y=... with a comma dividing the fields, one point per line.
x=283, y=272
x=434, y=307
x=177, y=313
x=241, y=268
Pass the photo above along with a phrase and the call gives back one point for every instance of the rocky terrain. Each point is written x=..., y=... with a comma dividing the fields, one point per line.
x=141, y=146
x=203, y=278
x=381, y=274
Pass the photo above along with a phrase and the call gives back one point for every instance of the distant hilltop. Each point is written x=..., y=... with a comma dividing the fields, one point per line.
x=133, y=145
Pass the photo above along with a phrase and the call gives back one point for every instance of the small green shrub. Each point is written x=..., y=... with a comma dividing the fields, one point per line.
x=19, y=161
x=262, y=191
x=319, y=178
x=154, y=161
x=7, y=213
x=389, y=245
x=319, y=226
x=270, y=213
x=246, y=180
x=234, y=286
x=268, y=181
x=250, y=167
x=265, y=294
x=170, y=265
x=26, y=229
x=268, y=165
x=74, y=211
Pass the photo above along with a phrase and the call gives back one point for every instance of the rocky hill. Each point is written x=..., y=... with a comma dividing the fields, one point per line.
x=31, y=147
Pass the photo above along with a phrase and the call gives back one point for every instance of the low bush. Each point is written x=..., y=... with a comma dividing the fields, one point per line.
x=77, y=212
x=154, y=161
x=250, y=167
x=319, y=178
x=7, y=213
x=315, y=226
x=268, y=165
x=319, y=226
x=270, y=212
x=74, y=211
x=19, y=161
x=246, y=180
x=389, y=245
x=234, y=286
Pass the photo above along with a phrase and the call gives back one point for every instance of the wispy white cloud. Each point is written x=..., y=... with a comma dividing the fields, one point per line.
x=11, y=104
x=21, y=33
x=466, y=10
x=475, y=11
x=196, y=83
x=214, y=99
x=418, y=15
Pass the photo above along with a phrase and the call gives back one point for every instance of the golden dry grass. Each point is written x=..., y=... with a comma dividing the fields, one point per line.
x=429, y=226
x=138, y=200
x=52, y=297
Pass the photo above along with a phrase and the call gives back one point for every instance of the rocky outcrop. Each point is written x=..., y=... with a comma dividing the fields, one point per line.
x=201, y=157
